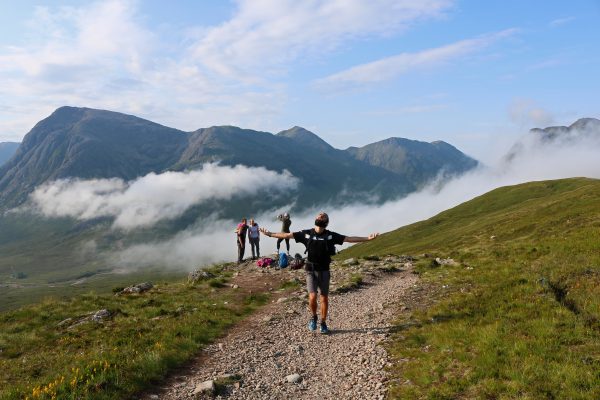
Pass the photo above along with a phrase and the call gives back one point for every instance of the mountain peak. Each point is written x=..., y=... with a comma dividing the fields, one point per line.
x=585, y=124
x=414, y=158
x=583, y=127
x=305, y=137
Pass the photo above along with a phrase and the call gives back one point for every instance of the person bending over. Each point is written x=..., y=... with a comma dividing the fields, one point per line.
x=320, y=246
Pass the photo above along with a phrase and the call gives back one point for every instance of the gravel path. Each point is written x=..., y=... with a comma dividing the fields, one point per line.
x=254, y=361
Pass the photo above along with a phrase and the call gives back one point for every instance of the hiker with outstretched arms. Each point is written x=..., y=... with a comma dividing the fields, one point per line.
x=320, y=246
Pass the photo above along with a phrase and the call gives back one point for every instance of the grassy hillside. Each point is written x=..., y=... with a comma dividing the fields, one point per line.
x=519, y=317
x=54, y=350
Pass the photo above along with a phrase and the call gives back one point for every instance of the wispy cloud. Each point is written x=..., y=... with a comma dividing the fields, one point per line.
x=270, y=34
x=390, y=68
x=154, y=197
x=561, y=21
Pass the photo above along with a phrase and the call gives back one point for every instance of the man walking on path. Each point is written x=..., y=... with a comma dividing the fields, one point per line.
x=254, y=239
x=320, y=245
x=241, y=239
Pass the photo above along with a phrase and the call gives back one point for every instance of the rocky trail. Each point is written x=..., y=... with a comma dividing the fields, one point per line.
x=273, y=355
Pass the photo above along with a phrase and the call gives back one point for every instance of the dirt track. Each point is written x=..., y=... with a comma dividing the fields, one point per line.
x=257, y=355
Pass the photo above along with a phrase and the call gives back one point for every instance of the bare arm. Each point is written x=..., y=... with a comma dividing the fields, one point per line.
x=356, y=239
x=278, y=235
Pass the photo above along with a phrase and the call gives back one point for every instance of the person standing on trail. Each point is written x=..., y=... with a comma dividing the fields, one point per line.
x=254, y=238
x=320, y=246
x=241, y=239
x=286, y=222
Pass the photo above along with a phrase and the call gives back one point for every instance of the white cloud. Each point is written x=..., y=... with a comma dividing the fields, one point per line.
x=527, y=113
x=267, y=34
x=152, y=198
x=391, y=67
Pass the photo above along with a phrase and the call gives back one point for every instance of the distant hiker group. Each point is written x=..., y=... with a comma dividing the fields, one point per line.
x=253, y=237
x=320, y=246
x=253, y=232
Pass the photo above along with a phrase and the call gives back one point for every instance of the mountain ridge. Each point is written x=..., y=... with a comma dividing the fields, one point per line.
x=88, y=143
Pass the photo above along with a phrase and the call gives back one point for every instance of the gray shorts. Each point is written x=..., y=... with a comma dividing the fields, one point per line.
x=318, y=280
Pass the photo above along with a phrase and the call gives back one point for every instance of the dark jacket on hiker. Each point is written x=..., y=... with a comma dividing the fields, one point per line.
x=241, y=230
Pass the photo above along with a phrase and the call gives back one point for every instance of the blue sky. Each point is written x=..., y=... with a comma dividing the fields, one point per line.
x=476, y=74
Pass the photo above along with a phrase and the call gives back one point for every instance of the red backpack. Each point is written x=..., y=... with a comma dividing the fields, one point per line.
x=264, y=262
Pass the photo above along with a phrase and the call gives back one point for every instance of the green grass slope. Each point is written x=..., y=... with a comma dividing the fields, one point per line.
x=519, y=317
x=145, y=337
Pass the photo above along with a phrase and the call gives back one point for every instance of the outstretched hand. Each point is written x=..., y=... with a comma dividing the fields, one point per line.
x=264, y=230
x=373, y=236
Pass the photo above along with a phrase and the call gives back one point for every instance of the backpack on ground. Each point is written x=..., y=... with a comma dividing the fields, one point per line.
x=264, y=262
x=297, y=262
x=283, y=260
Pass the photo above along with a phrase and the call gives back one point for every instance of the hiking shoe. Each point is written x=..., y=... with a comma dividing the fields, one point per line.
x=324, y=329
x=312, y=325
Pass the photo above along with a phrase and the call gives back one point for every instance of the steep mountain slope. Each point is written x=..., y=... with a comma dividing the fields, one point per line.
x=415, y=160
x=7, y=150
x=516, y=313
x=87, y=143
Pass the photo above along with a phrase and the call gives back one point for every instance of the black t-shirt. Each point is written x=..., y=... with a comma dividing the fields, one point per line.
x=319, y=246
x=243, y=228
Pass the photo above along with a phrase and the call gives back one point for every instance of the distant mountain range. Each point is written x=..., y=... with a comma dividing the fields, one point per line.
x=581, y=130
x=584, y=127
x=88, y=143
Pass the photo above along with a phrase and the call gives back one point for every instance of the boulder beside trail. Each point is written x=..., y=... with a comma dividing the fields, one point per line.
x=100, y=315
x=205, y=387
x=199, y=275
x=139, y=288
x=446, y=261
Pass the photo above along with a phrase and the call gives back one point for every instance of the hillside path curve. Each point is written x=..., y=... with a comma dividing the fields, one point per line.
x=255, y=357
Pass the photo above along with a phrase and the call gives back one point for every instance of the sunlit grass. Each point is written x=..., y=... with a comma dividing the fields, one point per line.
x=519, y=318
x=146, y=336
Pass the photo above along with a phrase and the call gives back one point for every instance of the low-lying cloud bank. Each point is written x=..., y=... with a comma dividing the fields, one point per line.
x=147, y=200
x=215, y=240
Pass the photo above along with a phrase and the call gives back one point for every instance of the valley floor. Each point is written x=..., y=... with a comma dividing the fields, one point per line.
x=255, y=359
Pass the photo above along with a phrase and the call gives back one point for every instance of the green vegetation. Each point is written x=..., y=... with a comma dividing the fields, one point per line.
x=520, y=316
x=29, y=292
x=354, y=282
x=45, y=356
